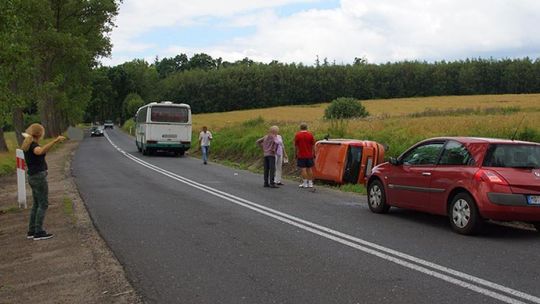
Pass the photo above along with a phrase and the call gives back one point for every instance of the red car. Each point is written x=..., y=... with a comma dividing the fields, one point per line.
x=467, y=179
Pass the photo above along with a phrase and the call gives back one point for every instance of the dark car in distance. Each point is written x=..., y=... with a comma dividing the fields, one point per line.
x=97, y=131
x=108, y=124
x=467, y=179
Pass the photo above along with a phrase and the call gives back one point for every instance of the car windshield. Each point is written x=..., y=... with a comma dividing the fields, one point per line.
x=513, y=156
x=169, y=114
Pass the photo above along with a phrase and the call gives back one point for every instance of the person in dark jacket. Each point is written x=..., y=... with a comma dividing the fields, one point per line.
x=34, y=155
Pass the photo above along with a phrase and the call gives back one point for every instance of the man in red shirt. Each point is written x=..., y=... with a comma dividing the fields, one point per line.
x=304, y=144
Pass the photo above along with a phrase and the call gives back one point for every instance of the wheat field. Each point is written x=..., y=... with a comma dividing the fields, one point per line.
x=382, y=109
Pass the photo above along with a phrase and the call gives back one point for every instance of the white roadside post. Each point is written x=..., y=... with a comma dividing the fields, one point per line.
x=21, y=179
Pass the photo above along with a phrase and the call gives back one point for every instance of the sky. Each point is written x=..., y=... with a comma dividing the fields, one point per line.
x=300, y=30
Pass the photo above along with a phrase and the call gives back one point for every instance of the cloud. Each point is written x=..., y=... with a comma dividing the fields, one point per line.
x=382, y=30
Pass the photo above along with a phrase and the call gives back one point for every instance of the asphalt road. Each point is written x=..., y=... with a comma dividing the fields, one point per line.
x=212, y=234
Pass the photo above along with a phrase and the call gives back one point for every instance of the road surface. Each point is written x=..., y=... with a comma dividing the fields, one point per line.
x=189, y=233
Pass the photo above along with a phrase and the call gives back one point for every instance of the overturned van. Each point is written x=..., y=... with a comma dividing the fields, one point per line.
x=346, y=161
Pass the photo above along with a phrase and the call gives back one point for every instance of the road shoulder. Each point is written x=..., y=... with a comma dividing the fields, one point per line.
x=76, y=266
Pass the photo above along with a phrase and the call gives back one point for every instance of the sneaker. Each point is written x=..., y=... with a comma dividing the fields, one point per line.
x=273, y=186
x=205, y=163
x=266, y=185
x=303, y=185
x=42, y=236
x=30, y=235
x=310, y=184
x=280, y=184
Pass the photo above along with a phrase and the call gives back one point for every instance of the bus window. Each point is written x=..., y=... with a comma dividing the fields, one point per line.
x=141, y=116
x=169, y=114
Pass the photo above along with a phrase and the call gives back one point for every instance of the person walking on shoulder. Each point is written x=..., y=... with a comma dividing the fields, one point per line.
x=34, y=155
x=304, y=144
x=281, y=157
x=269, y=145
x=205, y=137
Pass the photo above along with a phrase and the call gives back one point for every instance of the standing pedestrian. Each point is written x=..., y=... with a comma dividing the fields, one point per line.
x=304, y=144
x=205, y=137
x=34, y=156
x=269, y=145
x=281, y=157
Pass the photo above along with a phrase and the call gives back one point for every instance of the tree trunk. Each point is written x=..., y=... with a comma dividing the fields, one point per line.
x=3, y=144
x=50, y=118
x=18, y=124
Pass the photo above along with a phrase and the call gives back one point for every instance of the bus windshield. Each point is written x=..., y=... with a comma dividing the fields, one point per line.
x=169, y=114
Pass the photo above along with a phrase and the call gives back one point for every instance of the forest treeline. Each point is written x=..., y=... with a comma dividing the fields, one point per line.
x=214, y=85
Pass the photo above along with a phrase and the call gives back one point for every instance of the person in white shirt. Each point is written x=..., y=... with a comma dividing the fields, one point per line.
x=281, y=157
x=205, y=137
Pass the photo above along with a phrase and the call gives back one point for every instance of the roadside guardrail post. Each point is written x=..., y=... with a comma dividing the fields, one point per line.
x=21, y=179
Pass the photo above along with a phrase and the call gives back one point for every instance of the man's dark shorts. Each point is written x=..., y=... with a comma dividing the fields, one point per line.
x=305, y=162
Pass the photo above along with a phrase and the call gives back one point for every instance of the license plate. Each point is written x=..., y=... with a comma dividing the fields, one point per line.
x=169, y=136
x=533, y=200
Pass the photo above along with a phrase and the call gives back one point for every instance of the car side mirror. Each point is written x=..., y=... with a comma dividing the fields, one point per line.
x=394, y=161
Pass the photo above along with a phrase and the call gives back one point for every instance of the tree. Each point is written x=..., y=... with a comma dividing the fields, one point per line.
x=101, y=104
x=202, y=61
x=17, y=64
x=168, y=66
x=132, y=103
x=68, y=41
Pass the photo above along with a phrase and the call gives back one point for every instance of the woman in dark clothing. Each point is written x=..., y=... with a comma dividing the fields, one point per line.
x=34, y=156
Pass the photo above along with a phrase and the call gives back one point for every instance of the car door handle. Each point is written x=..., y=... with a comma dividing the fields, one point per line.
x=426, y=173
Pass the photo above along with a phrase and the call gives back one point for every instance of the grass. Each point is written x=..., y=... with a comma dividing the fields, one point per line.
x=354, y=188
x=7, y=159
x=399, y=123
x=68, y=208
x=11, y=209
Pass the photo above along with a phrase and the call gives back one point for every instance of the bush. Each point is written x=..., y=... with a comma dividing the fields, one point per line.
x=343, y=108
x=129, y=126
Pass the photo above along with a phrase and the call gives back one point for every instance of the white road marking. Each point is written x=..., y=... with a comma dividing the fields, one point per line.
x=391, y=255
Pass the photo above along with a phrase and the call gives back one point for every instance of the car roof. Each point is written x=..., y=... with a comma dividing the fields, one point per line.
x=478, y=140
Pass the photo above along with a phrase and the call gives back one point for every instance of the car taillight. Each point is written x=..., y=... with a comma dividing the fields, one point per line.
x=490, y=177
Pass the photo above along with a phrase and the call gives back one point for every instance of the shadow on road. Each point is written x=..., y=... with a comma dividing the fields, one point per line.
x=491, y=230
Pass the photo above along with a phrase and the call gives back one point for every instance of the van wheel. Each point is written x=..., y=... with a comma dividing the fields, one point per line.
x=463, y=214
x=377, y=198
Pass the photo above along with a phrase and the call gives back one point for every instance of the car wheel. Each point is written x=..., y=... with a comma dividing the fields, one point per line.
x=377, y=198
x=463, y=214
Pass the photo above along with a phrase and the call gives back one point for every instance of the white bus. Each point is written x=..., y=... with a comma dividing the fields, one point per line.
x=164, y=126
